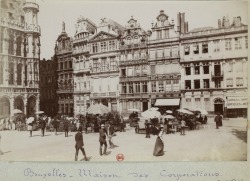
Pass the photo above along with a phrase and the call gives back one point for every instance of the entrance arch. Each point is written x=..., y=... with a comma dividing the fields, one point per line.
x=219, y=105
x=31, y=106
x=4, y=106
x=18, y=104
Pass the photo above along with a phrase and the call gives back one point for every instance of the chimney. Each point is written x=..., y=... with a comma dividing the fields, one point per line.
x=182, y=25
x=178, y=22
x=219, y=23
x=186, y=27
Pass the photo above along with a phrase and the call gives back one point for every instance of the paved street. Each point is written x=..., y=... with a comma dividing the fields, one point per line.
x=227, y=143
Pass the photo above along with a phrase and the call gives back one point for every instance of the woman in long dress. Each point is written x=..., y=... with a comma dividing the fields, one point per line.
x=159, y=145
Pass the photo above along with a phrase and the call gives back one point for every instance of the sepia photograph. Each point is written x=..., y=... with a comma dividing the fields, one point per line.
x=117, y=81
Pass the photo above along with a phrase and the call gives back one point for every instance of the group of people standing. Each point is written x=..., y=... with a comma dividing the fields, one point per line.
x=104, y=133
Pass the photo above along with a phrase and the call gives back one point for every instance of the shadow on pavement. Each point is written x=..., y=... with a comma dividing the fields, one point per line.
x=6, y=152
x=240, y=134
x=88, y=159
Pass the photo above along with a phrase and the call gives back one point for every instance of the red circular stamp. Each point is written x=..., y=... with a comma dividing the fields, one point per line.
x=120, y=157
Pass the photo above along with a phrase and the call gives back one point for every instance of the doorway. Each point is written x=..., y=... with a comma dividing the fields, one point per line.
x=144, y=106
x=219, y=105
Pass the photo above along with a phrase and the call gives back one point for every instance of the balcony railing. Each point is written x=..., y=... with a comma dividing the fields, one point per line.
x=104, y=94
x=134, y=79
x=217, y=75
x=139, y=61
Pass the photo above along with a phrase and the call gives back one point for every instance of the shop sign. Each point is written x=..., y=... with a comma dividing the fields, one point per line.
x=237, y=102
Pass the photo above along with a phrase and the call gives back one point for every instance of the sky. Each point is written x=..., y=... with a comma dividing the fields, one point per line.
x=198, y=14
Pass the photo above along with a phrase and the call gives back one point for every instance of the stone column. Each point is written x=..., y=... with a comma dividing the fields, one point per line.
x=25, y=103
x=12, y=100
x=192, y=69
x=192, y=84
x=38, y=102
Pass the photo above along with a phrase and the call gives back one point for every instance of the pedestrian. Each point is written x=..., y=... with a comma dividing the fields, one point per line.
x=147, y=127
x=30, y=128
x=102, y=140
x=205, y=120
x=122, y=124
x=66, y=127
x=110, y=131
x=42, y=124
x=56, y=125
x=183, y=125
x=218, y=120
x=1, y=152
x=79, y=144
x=159, y=145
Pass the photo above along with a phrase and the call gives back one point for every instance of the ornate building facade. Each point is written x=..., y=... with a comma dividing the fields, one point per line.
x=104, y=59
x=48, y=87
x=85, y=29
x=164, y=59
x=65, y=83
x=134, y=68
x=19, y=57
x=214, y=68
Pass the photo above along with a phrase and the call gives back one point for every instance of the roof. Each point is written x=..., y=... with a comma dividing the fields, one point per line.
x=202, y=29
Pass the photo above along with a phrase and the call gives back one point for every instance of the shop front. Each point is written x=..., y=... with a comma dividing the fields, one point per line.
x=237, y=107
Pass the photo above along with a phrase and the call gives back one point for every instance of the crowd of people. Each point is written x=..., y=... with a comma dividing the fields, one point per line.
x=107, y=124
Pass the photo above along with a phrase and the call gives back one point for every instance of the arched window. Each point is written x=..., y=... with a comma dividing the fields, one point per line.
x=1, y=72
x=11, y=73
x=19, y=74
x=19, y=46
x=11, y=45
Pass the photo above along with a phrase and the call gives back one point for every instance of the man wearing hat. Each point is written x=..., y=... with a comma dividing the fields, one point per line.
x=79, y=144
x=102, y=140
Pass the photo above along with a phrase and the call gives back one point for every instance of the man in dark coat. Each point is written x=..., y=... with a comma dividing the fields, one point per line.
x=218, y=120
x=42, y=124
x=79, y=144
x=102, y=139
x=55, y=125
x=66, y=128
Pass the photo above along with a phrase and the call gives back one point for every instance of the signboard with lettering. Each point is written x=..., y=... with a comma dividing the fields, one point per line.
x=237, y=102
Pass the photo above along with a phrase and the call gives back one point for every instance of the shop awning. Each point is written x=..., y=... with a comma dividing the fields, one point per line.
x=167, y=102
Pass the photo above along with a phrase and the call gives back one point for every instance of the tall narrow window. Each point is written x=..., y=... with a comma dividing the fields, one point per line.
x=238, y=45
x=205, y=48
x=11, y=45
x=104, y=64
x=11, y=73
x=206, y=83
x=137, y=87
x=196, y=48
x=239, y=82
x=144, y=87
x=216, y=45
x=228, y=45
x=95, y=65
x=152, y=68
x=19, y=46
x=196, y=84
x=124, y=88
x=206, y=69
x=166, y=33
x=153, y=86
x=159, y=34
x=95, y=48
x=19, y=74
x=113, y=64
x=188, y=70
x=130, y=87
x=112, y=45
